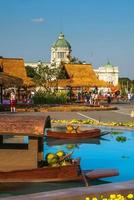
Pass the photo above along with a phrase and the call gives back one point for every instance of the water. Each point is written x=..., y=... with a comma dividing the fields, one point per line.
x=104, y=153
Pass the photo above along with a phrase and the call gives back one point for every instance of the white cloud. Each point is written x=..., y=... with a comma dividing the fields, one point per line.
x=38, y=20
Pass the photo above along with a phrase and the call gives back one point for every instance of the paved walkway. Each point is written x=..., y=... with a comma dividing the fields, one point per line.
x=123, y=114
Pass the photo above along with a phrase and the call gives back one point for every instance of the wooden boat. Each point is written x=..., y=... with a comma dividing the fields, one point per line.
x=90, y=133
x=56, y=174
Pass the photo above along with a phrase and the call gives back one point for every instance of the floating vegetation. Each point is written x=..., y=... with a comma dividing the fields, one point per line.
x=121, y=139
x=116, y=133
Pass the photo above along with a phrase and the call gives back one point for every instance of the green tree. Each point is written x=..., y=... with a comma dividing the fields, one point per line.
x=31, y=72
x=75, y=60
x=127, y=84
x=46, y=77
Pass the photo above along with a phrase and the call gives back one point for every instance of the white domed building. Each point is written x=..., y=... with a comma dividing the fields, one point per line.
x=61, y=51
x=108, y=73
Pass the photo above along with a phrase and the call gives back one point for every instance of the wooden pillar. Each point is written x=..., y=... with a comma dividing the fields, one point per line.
x=19, y=93
x=1, y=139
x=40, y=155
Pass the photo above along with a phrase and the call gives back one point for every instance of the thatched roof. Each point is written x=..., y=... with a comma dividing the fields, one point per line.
x=9, y=81
x=15, y=67
x=81, y=75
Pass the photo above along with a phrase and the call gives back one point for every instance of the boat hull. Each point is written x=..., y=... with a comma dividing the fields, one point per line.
x=91, y=133
x=55, y=174
x=44, y=174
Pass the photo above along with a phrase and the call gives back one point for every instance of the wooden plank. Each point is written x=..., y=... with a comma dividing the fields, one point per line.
x=101, y=173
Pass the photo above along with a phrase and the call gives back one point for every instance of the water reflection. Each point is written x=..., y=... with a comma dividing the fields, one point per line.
x=10, y=189
x=52, y=142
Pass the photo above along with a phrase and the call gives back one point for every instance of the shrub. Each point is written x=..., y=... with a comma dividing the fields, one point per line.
x=42, y=97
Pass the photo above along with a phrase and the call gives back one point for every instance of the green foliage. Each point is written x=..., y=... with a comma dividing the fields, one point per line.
x=30, y=71
x=123, y=91
x=126, y=85
x=75, y=60
x=116, y=133
x=124, y=79
x=43, y=97
x=121, y=139
x=46, y=77
x=62, y=73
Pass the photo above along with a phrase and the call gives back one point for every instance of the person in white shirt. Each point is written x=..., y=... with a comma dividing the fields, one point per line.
x=13, y=101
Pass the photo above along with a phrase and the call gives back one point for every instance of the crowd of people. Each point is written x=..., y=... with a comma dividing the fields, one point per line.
x=93, y=97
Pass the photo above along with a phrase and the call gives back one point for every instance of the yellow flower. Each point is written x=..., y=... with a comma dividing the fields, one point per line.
x=104, y=199
x=112, y=196
x=130, y=196
x=94, y=198
x=123, y=198
x=120, y=197
x=87, y=198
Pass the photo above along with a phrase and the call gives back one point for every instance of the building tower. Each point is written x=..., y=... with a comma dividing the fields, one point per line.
x=60, y=51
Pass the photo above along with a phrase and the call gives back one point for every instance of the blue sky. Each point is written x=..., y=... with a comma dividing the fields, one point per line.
x=98, y=30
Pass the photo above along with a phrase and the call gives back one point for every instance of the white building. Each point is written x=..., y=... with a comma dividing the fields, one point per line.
x=108, y=73
x=61, y=51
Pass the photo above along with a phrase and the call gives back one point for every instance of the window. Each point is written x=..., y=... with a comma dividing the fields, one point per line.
x=13, y=142
x=61, y=54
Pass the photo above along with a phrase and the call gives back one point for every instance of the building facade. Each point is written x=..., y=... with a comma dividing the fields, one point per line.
x=108, y=73
x=61, y=50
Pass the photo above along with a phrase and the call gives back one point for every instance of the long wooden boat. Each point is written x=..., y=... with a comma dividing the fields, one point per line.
x=55, y=174
x=90, y=133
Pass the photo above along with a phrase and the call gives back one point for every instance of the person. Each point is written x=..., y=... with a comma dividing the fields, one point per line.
x=108, y=98
x=129, y=96
x=13, y=101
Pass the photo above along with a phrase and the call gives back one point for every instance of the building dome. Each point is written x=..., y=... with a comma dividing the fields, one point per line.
x=61, y=42
x=108, y=65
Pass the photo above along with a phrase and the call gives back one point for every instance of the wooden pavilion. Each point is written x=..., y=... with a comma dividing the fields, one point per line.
x=21, y=141
x=13, y=73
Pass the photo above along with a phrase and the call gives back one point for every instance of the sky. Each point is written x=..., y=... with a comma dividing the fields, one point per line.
x=98, y=30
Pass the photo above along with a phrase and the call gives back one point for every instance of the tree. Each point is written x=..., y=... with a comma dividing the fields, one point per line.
x=46, y=76
x=126, y=83
x=31, y=72
x=75, y=60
